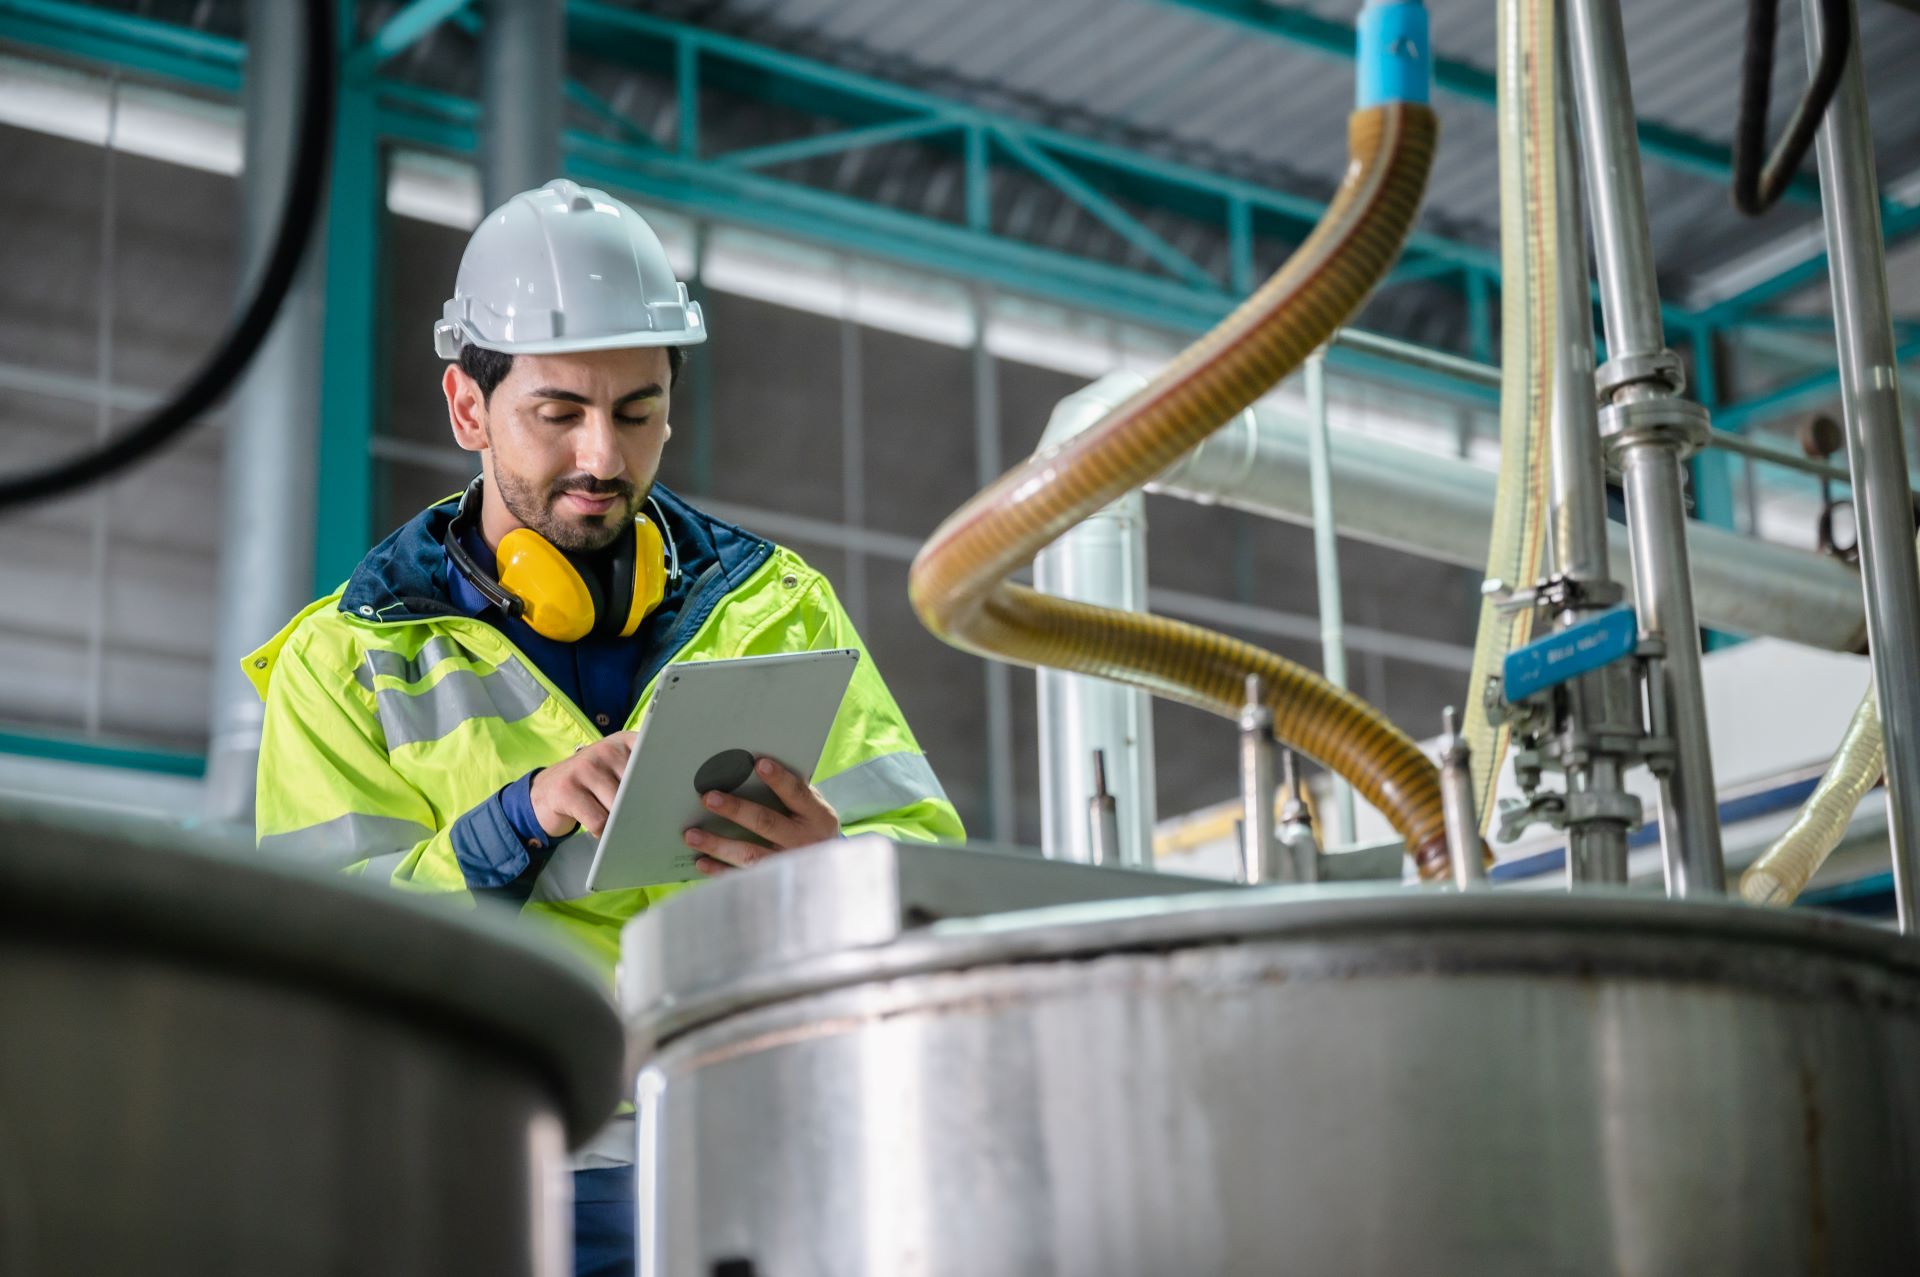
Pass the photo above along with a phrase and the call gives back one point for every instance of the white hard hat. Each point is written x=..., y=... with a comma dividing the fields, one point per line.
x=565, y=268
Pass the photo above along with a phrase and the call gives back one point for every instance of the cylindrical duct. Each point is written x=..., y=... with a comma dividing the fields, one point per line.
x=523, y=71
x=1438, y=507
x=1102, y=560
x=266, y=556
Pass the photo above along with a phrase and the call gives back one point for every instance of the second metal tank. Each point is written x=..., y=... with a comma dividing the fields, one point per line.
x=845, y=1078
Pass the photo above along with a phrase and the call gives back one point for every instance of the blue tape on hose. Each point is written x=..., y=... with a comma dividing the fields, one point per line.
x=1395, y=60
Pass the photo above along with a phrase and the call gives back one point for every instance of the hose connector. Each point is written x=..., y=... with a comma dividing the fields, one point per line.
x=1395, y=57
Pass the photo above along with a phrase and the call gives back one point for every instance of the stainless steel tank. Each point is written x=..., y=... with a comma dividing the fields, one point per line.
x=209, y=1066
x=842, y=1078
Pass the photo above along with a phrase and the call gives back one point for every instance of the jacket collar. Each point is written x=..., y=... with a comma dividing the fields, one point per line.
x=404, y=578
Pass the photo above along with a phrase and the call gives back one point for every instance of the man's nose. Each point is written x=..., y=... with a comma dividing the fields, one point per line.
x=597, y=450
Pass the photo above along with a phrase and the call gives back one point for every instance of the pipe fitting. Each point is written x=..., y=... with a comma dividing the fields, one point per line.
x=1658, y=368
x=1678, y=424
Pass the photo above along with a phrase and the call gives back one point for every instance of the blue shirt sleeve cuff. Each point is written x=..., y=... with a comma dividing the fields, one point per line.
x=517, y=801
x=488, y=841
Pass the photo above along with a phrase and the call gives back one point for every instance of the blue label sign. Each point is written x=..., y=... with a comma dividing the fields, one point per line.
x=1570, y=653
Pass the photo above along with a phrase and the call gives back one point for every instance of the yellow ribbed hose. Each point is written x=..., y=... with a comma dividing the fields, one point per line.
x=1784, y=868
x=1529, y=311
x=1782, y=871
x=959, y=581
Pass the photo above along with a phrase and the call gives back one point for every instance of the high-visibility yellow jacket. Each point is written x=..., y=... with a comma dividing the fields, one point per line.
x=389, y=715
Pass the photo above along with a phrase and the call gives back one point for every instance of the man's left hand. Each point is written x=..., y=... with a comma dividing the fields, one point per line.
x=809, y=819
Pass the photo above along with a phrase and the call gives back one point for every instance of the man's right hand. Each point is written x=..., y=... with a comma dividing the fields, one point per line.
x=579, y=792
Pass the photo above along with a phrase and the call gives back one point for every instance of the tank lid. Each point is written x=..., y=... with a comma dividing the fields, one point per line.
x=868, y=909
x=147, y=889
x=720, y=943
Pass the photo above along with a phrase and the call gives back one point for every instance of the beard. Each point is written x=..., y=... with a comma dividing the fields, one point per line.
x=576, y=534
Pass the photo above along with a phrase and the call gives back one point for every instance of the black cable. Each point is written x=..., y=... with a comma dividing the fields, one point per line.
x=306, y=187
x=1756, y=188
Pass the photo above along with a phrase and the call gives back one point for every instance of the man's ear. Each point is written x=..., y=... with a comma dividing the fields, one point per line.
x=466, y=409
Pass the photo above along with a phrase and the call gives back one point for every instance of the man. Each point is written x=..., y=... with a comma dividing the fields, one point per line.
x=457, y=716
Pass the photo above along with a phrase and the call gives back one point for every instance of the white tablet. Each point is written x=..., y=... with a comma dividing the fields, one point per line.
x=707, y=723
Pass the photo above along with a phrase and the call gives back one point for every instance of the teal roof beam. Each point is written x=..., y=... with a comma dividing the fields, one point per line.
x=1108, y=213
x=1797, y=395
x=1817, y=323
x=745, y=197
x=1897, y=223
x=404, y=29
x=596, y=26
x=595, y=105
x=806, y=148
x=141, y=45
x=1332, y=38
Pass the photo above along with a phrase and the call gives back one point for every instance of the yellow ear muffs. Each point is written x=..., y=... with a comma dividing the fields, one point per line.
x=561, y=602
x=649, y=574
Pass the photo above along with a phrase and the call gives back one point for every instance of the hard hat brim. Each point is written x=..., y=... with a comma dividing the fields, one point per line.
x=603, y=341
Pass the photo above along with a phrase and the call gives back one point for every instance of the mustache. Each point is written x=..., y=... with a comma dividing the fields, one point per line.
x=589, y=486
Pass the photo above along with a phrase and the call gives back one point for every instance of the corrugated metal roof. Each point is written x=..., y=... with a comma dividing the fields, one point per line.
x=1180, y=81
x=1165, y=78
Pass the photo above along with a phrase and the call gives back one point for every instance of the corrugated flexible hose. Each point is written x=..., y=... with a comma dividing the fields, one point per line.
x=959, y=582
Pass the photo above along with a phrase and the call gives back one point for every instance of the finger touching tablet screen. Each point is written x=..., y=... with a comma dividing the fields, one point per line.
x=707, y=723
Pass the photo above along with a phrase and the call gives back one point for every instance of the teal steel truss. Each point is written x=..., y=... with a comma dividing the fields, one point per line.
x=1150, y=279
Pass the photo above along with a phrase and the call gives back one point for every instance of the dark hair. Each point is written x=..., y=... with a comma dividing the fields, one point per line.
x=489, y=368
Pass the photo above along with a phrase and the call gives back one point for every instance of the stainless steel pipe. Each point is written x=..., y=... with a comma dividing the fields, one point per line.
x=523, y=55
x=1577, y=483
x=1876, y=444
x=268, y=495
x=1441, y=508
x=1640, y=374
x=1326, y=574
x=1100, y=560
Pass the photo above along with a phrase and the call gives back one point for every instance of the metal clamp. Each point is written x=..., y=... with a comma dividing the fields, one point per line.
x=1679, y=424
x=1660, y=368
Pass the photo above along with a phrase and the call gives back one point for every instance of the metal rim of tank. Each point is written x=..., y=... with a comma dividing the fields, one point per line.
x=1352, y=916
x=466, y=974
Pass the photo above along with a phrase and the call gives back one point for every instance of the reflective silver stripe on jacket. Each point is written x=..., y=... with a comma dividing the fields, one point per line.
x=411, y=669
x=346, y=840
x=380, y=868
x=510, y=693
x=881, y=785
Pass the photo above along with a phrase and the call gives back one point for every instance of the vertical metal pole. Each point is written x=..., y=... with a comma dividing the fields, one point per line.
x=1876, y=448
x=1577, y=516
x=269, y=498
x=1103, y=817
x=1101, y=560
x=986, y=441
x=1326, y=566
x=353, y=266
x=698, y=372
x=1256, y=784
x=522, y=75
x=1577, y=501
x=853, y=453
x=1651, y=431
x=99, y=565
x=1456, y=805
